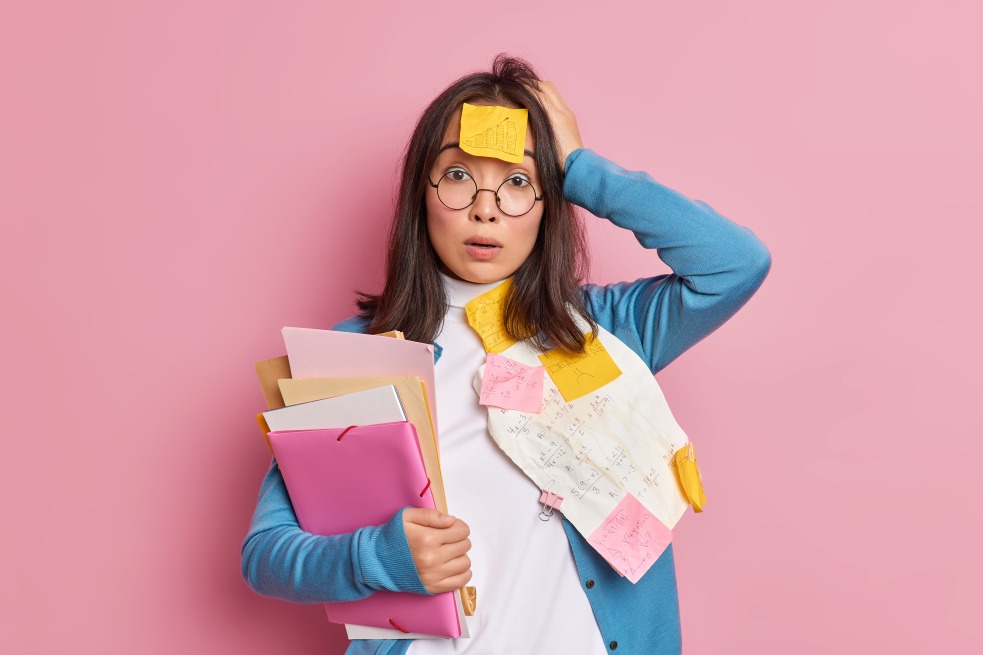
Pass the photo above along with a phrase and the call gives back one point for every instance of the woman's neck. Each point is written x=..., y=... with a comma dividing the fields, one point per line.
x=460, y=293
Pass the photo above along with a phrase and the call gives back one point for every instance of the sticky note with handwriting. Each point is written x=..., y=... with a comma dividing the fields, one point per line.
x=498, y=132
x=509, y=384
x=631, y=539
x=578, y=374
x=486, y=315
x=689, y=477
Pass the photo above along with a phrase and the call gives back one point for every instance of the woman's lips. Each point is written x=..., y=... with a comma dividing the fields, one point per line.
x=483, y=251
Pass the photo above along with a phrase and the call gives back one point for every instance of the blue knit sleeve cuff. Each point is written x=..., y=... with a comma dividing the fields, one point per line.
x=571, y=158
x=583, y=172
x=383, y=559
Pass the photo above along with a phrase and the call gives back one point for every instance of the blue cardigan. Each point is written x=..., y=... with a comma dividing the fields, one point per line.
x=717, y=266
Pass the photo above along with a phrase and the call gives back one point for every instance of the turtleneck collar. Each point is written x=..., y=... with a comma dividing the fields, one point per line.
x=460, y=293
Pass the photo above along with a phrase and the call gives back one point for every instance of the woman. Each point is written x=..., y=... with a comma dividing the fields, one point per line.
x=463, y=224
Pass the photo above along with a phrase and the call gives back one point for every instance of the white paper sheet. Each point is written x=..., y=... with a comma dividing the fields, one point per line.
x=379, y=405
x=596, y=449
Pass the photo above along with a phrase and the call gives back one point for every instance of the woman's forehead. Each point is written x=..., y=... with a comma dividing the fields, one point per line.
x=453, y=132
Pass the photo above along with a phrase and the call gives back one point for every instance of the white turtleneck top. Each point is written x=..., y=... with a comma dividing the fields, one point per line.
x=529, y=595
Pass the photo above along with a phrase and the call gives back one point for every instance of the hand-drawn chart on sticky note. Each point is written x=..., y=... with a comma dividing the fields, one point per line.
x=596, y=449
x=502, y=136
x=631, y=539
x=509, y=384
x=494, y=132
x=578, y=374
x=486, y=315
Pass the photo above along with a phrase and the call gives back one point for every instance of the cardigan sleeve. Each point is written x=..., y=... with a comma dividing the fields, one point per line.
x=717, y=265
x=279, y=559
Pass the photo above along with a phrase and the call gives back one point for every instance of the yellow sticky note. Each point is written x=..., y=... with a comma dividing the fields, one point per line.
x=494, y=132
x=578, y=374
x=486, y=314
x=689, y=477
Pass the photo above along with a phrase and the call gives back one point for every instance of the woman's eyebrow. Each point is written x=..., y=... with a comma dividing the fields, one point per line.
x=457, y=144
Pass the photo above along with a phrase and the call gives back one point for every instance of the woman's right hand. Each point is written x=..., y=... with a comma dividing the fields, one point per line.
x=439, y=544
x=564, y=122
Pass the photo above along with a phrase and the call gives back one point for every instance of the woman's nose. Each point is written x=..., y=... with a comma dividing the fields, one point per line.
x=485, y=207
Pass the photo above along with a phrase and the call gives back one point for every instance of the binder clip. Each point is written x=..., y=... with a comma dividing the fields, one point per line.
x=550, y=502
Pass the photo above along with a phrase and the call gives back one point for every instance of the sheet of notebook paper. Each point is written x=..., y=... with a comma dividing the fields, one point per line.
x=617, y=440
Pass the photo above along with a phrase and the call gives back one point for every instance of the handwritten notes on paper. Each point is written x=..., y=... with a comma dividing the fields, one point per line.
x=631, y=539
x=494, y=132
x=578, y=374
x=509, y=384
x=689, y=477
x=598, y=447
x=486, y=315
x=591, y=452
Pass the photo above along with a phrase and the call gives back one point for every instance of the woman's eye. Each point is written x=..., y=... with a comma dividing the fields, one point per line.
x=517, y=181
x=457, y=175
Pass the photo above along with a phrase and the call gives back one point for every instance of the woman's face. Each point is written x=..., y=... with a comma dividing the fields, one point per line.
x=480, y=243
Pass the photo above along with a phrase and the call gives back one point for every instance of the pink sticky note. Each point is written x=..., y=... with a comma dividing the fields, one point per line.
x=512, y=385
x=631, y=538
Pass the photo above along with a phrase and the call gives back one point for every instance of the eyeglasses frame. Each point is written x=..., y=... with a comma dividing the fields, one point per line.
x=498, y=200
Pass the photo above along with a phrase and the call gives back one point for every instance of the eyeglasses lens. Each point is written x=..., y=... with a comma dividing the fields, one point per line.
x=516, y=197
x=456, y=194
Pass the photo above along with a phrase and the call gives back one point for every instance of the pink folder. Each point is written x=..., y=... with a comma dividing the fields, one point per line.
x=363, y=478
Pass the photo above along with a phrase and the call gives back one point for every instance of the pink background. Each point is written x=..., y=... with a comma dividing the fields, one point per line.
x=179, y=181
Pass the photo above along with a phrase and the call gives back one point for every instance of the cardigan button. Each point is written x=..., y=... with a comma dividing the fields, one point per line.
x=614, y=645
x=590, y=584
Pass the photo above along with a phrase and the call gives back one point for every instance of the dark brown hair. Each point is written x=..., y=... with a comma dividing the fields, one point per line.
x=544, y=286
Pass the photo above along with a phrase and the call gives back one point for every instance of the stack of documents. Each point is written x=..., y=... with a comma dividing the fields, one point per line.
x=351, y=424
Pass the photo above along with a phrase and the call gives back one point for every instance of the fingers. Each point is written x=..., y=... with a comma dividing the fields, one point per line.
x=439, y=545
x=456, y=532
x=454, y=550
x=564, y=122
x=552, y=94
x=456, y=576
x=448, y=528
x=450, y=575
x=430, y=518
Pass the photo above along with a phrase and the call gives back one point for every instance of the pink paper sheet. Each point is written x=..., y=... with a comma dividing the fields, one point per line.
x=512, y=385
x=331, y=354
x=631, y=539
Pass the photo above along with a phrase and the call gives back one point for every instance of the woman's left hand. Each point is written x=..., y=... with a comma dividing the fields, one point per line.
x=564, y=122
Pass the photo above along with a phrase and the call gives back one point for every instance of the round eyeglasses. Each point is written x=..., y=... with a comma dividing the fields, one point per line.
x=456, y=189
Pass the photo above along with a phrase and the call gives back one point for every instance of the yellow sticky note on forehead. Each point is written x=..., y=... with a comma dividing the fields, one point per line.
x=578, y=374
x=486, y=314
x=494, y=132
